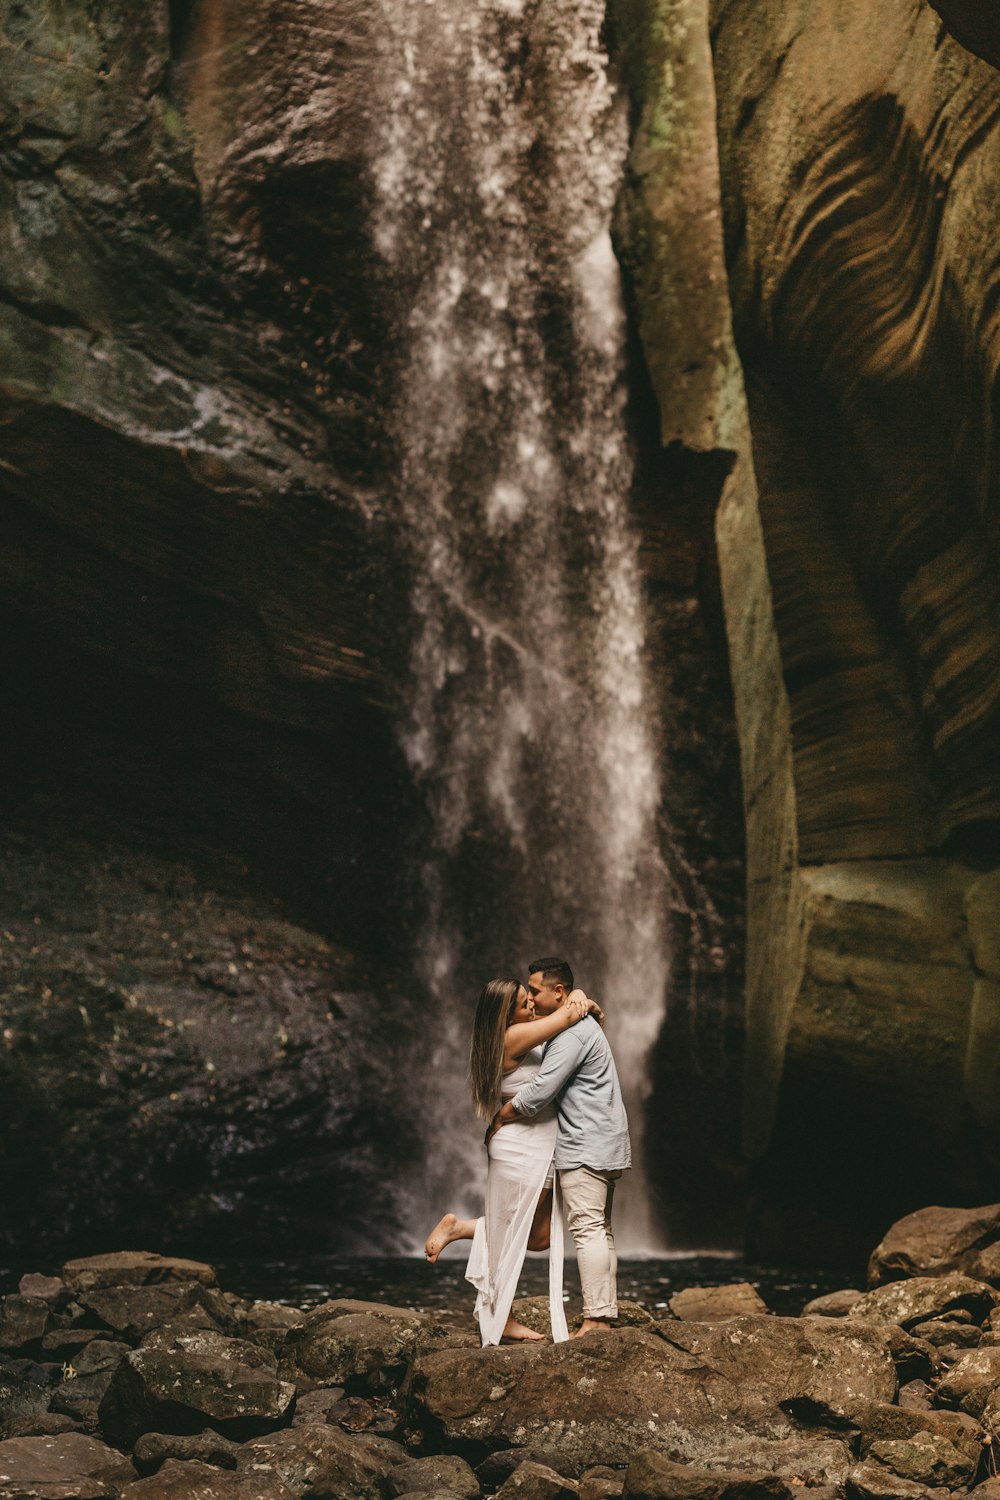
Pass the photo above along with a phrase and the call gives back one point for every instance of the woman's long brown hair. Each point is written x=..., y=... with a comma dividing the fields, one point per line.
x=496, y=1001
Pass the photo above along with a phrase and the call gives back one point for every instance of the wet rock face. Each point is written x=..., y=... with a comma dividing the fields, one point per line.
x=848, y=154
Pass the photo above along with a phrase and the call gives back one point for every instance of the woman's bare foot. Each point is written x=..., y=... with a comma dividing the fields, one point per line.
x=447, y=1229
x=517, y=1333
x=592, y=1325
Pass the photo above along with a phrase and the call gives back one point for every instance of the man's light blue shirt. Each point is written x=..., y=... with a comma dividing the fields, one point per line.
x=579, y=1073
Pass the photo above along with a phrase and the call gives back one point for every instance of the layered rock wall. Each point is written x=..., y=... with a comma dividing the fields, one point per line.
x=857, y=166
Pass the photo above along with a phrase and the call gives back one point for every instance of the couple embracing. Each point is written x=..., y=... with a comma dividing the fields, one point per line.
x=543, y=1075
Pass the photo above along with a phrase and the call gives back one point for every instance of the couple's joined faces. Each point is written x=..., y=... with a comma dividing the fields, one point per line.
x=523, y=1008
x=547, y=994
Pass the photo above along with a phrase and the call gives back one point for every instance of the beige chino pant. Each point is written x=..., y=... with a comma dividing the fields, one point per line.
x=587, y=1199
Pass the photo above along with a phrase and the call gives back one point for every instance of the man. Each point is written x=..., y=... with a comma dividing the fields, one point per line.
x=592, y=1147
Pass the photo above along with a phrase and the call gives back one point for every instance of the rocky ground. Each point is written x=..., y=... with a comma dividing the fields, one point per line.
x=132, y=1376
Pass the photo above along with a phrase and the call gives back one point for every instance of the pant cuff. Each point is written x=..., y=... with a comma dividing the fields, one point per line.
x=607, y=1311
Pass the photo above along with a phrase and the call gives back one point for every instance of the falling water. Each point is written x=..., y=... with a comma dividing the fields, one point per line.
x=530, y=722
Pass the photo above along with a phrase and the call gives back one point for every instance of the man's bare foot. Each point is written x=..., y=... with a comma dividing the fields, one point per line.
x=449, y=1228
x=592, y=1325
x=516, y=1333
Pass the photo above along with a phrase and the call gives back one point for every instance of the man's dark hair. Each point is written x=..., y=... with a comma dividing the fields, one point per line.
x=556, y=969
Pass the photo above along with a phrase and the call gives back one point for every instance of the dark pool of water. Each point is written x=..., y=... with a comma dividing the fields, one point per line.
x=409, y=1282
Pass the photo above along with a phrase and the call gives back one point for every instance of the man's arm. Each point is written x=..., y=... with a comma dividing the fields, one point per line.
x=561, y=1060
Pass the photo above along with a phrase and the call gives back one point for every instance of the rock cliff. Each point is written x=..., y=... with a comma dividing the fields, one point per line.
x=853, y=154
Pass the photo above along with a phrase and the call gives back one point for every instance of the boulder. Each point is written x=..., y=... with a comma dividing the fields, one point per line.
x=362, y=1346
x=601, y=1483
x=925, y=1297
x=436, y=1473
x=833, y=1304
x=871, y=1481
x=180, y=1381
x=68, y=1466
x=88, y=1380
x=970, y=1380
x=197, y=1481
x=319, y=1460
x=989, y=1489
x=915, y=1395
x=44, y=1424
x=315, y=1405
x=713, y=1304
x=24, y=1321
x=153, y=1449
x=990, y=1331
x=926, y=1458
x=934, y=1241
x=651, y=1476
x=532, y=1481
x=132, y=1268
x=714, y=1394
x=134, y=1311
x=268, y=1323
x=885, y=1423
x=20, y=1399
x=65, y=1343
x=51, y=1289
x=943, y=1333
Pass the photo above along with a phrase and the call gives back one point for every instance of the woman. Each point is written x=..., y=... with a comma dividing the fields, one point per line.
x=521, y=1187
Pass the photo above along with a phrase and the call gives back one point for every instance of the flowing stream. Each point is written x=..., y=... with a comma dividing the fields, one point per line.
x=531, y=725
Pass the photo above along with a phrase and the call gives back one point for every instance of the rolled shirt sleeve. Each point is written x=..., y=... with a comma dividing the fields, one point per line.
x=562, y=1057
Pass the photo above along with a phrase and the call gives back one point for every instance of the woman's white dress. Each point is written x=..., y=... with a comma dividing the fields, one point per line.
x=520, y=1166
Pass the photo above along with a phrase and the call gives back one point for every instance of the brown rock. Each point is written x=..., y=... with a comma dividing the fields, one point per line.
x=945, y=1334
x=197, y=1481
x=970, y=1380
x=66, y=1343
x=883, y=1422
x=833, y=1304
x=51, y=1289
x=916, y=1395
x=436, y=1473
x=601, y=1483
x=698, y=1391
x=313, y=1406
x=714, y=1304
x=870, y=1481
x=268, y=1323
x=926, y=1458
x=533, y=1481
x=366, y=1350
x=934, y=1241
x=153, y=1449
x=23, y=1322
x=133, y=1268
x=926, y=1297
x=20, y=1400
x=134, y=1311
x=321, y=1460
x=69, y=1466
x=184, y=1381
x=651, y=1476
x=44, y=1424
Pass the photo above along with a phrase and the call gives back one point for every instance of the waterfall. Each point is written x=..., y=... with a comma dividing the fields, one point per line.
x=530, y=723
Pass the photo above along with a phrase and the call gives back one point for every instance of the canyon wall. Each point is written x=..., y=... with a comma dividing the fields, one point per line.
x=854, y=154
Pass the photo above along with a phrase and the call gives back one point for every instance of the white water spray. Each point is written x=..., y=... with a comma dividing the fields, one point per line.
x=531, y=725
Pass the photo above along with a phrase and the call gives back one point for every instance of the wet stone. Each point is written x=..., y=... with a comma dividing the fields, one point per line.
x=24, y=1321
x=320, y=1458
x=437, y=1473
x=68, y=1466
x=132, y=1312
x=534, y=1481
x=133, y=1268
x=716, y=1304
x=153, y=1449
x=181, y=1381
x=178, y=1480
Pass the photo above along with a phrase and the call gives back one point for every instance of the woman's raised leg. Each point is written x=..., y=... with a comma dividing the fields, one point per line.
x=445, y=1230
